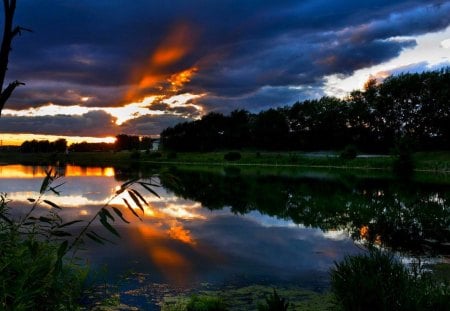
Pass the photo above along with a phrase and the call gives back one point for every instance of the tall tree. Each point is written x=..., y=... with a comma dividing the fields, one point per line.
x=9, y=32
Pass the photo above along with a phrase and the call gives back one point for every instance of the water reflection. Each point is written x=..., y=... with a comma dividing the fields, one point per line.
x=180, y=242
x=413, y=217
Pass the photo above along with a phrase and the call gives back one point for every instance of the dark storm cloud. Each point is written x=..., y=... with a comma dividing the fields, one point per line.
x=241, y=48
x=40, y=93
x=94, y=123
x=150, y=124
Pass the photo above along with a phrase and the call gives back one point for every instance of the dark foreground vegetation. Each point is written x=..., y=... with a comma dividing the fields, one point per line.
x=411, y=109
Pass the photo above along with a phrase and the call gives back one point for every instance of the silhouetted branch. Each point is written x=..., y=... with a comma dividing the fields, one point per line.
x=18, y=31
x=7, y=93
x=8, y=35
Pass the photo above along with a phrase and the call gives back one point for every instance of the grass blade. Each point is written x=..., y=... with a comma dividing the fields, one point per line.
x=119, y=213
x=51, y=204
x=131, y=208
x=136, y=200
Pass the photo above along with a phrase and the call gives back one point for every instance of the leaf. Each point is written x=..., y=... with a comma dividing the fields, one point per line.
x=6, y=219
x=119, y=213
x=94, y=238
x=149, y=184
x=136, y=200
x=149, y=189
x=131, y=209
x=139, y=196
x=47, y=180
x=107, y=214
x=52, y=189
x=125, y=185
x=108, y=226
x=69, y=223
x=100, y=237
x=62, y=249
x=45, y=219
x=60, y=233
x=31, y=200
x=51, y=204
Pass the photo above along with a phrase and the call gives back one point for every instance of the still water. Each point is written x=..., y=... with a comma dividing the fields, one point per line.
x=218, y=227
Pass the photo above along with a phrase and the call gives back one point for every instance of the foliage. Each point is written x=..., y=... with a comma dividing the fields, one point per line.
x=34, y=146
x=135, y=155
x=414, y=106
x=205, y=303
x=377, y=281
x=232, y=156
x=274, y=303
x=32, y=276
x=412, y=217
x=349, y=153
x=36, y=272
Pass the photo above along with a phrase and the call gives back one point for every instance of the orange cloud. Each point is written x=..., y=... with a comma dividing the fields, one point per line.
x=174, y=47
x=157, y=73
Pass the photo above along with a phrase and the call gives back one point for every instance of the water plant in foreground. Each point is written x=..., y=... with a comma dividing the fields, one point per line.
x=378, y=281
x=38, y=266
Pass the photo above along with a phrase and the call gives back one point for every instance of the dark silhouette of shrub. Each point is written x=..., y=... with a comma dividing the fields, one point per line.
x=274, y=303
x=349, y=152
x=232, y=156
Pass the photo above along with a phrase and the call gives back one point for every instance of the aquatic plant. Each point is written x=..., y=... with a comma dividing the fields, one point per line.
x=35, y=271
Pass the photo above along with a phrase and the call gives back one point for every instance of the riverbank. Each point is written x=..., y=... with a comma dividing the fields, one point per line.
x=423, y=161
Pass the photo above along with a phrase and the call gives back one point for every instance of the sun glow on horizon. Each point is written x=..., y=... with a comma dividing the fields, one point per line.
x=12, y=139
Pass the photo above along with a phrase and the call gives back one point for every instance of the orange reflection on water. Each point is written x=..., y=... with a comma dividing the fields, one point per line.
x=172, y=264
x=22, y=171
x=72, y=171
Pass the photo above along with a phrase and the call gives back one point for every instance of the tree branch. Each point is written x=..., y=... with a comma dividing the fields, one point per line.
x=4, y=96
x=18, y=31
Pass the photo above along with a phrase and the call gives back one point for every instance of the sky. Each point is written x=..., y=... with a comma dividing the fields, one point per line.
x=95, y=69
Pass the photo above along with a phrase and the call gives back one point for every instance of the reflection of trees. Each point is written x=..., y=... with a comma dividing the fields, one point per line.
x=413, y=217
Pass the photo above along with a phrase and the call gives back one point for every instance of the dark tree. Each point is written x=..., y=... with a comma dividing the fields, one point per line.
x=271, y=130
x=9, y=32
x=127, y=142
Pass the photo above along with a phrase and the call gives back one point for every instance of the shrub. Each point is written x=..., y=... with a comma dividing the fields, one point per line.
x=205, y=303
x=274, y=303
x=34, y=271
x=30, y=275
x=377, y=281
x=135, y=155
x=349, y=153
x=155, y=155
x=172, y=155
x=232, y=156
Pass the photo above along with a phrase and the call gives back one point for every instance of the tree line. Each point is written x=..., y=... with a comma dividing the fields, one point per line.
x=412, y=108
x=123, y=142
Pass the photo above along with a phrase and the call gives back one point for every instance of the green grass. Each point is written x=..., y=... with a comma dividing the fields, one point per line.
x=378, y=281
x=248, y=298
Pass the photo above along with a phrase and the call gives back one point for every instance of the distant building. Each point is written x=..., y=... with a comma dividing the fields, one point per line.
x=155, y=144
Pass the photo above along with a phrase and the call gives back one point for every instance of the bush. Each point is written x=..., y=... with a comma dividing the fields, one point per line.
x=155, y=155
x=274, y=303
x=35, y=273
x=172, y=155
x=135, y=155
x=349, y=153
x=232, y=156
x=205, y=303
x=377, y=281
x=30, y=275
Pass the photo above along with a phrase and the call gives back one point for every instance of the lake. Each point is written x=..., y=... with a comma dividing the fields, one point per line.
x=217, y=227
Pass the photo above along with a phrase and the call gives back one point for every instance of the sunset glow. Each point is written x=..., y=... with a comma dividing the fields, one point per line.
x=18, y=139
x=174, y=64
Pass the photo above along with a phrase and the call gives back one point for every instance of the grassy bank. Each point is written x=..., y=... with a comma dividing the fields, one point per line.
x=423, y=161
